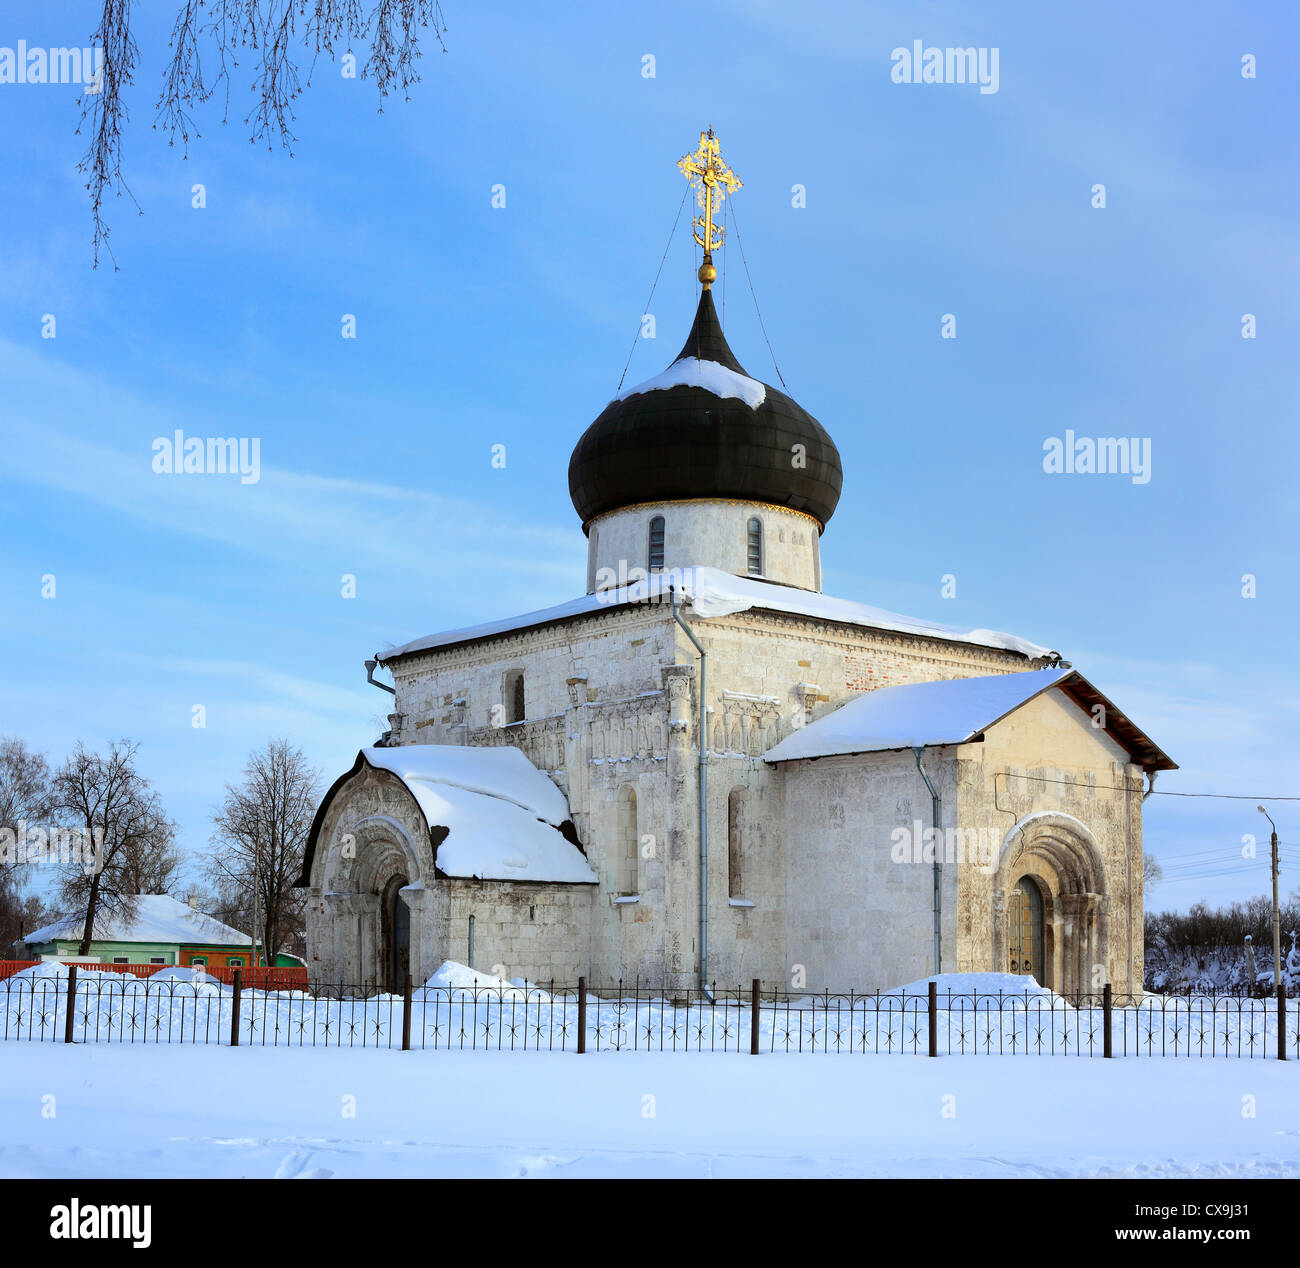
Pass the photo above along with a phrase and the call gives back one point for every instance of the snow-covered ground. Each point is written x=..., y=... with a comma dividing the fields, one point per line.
x=143, y=1111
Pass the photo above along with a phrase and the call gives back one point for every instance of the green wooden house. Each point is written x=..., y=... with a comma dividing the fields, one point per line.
x=164, y=932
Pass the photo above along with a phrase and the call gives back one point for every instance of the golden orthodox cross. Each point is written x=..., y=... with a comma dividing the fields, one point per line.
x=714, y=180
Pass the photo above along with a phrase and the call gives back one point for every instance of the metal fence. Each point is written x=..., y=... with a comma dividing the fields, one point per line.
x=82, y=1007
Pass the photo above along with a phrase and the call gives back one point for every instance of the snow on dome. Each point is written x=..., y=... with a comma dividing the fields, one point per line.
x=915, y=715
x=715, y=593
x=704, y=429
x=710, y=375
x=503, y=816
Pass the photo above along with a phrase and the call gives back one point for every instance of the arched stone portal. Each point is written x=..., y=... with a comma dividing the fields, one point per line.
x=1057, y=855
x=372, y=878
x=381, y=907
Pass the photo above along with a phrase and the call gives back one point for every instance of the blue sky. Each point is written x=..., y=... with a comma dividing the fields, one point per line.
x=479, y=326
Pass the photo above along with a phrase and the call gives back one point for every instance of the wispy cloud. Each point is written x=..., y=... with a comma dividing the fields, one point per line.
x=425, y=537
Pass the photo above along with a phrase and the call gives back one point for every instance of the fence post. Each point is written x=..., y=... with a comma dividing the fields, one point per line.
x=406, y=1015
x=1107, y=1003
x=582, y=1014
x=933, y=1003
x=1281, y=1022
x=753, y=1018
x=72, y=997
x=234, y=1009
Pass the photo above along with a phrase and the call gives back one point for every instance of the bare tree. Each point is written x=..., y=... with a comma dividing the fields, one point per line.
x=29, y=913
x=24, y=783
x=210, y=900
x=155, y=871
x=24, y=799
x=260, y=838
x=1152, y=872
x=103, y=795
x=208, y=39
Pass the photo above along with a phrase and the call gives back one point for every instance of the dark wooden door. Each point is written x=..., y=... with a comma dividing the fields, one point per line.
x=401, y=953
x=1025, y=930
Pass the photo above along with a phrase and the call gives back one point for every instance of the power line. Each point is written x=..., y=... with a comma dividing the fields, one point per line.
x=1209, y=857
x=1226, y=857
x=672, y=234
x=1230, y=862
x=1207, y=873
x=1190, y=856
x=735, y=224
x=1155, y=792
x=1175, y=866
x=1202, y=876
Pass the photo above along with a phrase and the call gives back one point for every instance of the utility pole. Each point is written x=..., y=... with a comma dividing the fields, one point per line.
x=252, y=949
x=1277, y=916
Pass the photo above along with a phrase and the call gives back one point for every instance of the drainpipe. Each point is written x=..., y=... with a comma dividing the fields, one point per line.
x=938, y=861
x=374, y=682
x=704, y=800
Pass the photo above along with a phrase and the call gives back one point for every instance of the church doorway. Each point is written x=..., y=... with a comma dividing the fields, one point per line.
x=1049, y=900
x=395, y=921
x=1025, y=930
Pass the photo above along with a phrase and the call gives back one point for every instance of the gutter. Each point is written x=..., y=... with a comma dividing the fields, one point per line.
x=374, y=682
x=938, y=864
x=704, y=801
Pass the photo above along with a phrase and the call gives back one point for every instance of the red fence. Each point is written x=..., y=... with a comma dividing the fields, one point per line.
x=284, y=978
x=263, y=978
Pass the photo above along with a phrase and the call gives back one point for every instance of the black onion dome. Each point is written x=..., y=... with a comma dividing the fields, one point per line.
x=681, y=442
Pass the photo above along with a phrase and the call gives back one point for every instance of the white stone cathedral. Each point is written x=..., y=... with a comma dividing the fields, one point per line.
x=883, y=797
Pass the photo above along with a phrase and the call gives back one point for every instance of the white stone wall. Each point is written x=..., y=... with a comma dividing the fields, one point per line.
x=705, y=533
x=611, y=708
x=1048, y=760
x=453, y=696
x=859, y=915
x=858, y=919
x=541, y=932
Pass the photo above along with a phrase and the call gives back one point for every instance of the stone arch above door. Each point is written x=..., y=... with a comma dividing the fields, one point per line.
x=372, y=846
x=382, y=848
x=367, y=823
x=1058, y=854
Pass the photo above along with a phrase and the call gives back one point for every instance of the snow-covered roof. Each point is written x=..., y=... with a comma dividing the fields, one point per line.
x=503, y=816
x=712, y=376
x=502, y=772
x=714, y=593
x=159, y=918
x=921, y=714
x=955, y=711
